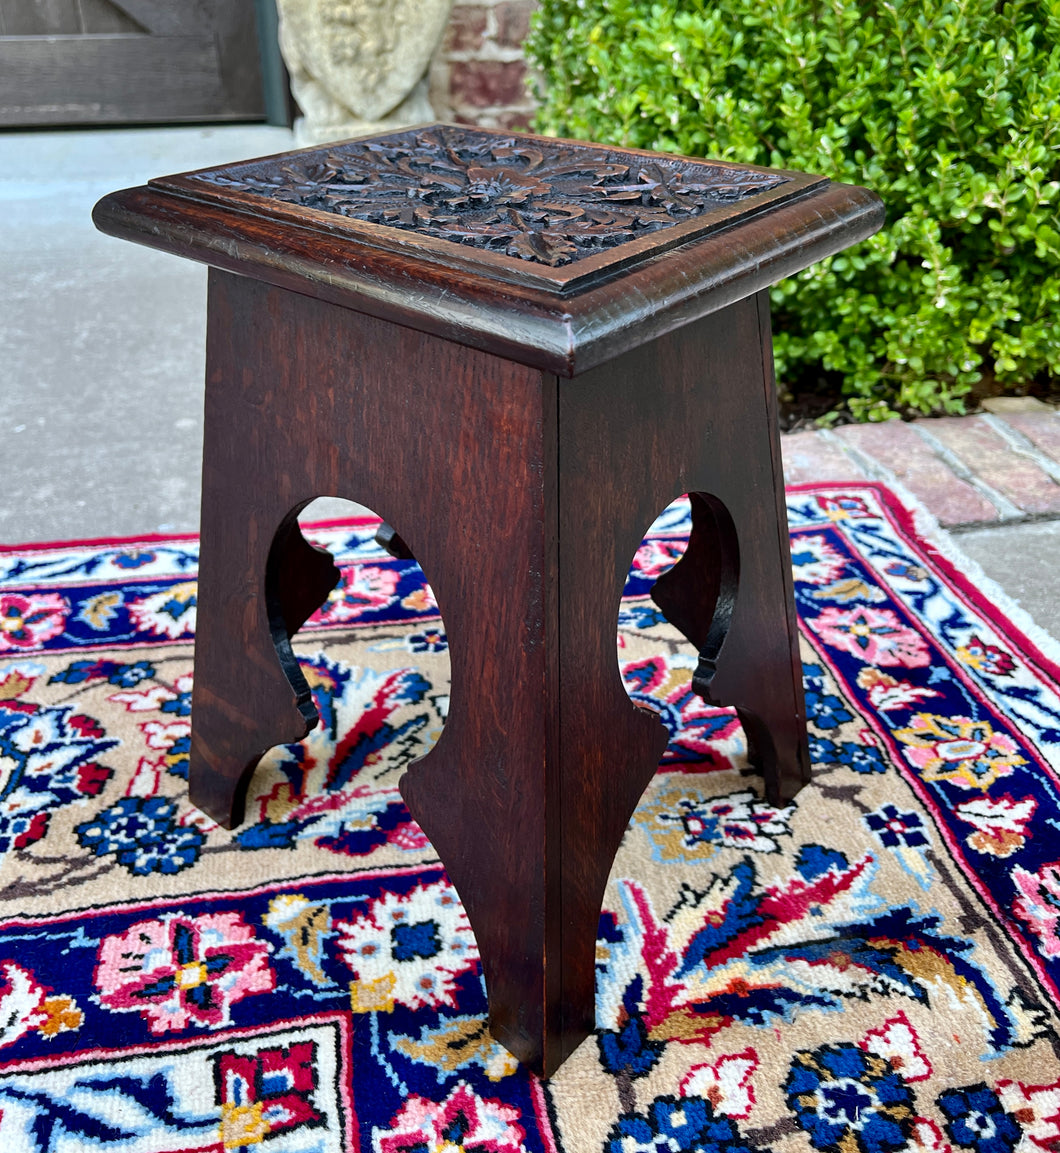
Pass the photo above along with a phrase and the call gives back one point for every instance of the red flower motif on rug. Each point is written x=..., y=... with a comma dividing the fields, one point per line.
x=875, y=636
x=26, y=622
x=179, y=971
x=969, y=754
x=360, y=589
x=464, y=1120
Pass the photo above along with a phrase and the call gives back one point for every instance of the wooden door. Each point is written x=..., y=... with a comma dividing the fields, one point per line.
x=128, y=61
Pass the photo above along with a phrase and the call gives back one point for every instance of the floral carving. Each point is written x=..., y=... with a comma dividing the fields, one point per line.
x=548, y=204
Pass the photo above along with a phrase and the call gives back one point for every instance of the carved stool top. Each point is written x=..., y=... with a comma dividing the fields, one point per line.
x=529, y=210
x=557, y=253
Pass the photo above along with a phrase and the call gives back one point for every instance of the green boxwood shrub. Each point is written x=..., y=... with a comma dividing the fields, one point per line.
x=949, y=109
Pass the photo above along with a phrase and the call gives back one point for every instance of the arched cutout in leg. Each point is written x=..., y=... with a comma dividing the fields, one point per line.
x=298, y=578
x=698, y=595
x=376, y=713
x=249, y=709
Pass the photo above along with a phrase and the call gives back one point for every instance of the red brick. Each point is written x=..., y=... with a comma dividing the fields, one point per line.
x=466, y=29
x=1041, y=428
x=487, y=83
x=992, y=460
x=514, y=121
x=513, y=22
x=897, y=447
x=808, y=457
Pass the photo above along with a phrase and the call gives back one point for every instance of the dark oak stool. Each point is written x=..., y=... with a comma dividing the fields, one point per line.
x=519, y=351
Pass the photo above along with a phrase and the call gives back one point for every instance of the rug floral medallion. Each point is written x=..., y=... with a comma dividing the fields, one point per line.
x=872, y=969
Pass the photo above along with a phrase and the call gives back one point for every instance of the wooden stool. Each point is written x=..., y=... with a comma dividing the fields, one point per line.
x=518, y=350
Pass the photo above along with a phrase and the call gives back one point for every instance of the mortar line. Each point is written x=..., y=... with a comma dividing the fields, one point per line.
x=1026, y=519
x=1007, y=511
x=869, y=465
x=874, y=470
x=1022, y=444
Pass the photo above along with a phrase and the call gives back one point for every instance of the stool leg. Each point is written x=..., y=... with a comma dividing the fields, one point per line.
x=526, y=808
x=695, y=412
x=698, y=596
x=249, y=693
x=523, y=808
x=298, y=577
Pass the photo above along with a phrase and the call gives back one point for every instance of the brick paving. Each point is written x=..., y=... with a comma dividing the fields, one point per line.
x=1041, y=429
x=479, y=75
x=988, y=469
x=991, y=457
x=809, y=457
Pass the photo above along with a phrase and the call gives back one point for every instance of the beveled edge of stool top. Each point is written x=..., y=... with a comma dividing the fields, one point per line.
x=557, y=253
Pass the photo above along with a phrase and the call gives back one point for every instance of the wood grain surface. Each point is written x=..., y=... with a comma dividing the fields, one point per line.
x=544, y=328
x=519, y=438
x=544, y=757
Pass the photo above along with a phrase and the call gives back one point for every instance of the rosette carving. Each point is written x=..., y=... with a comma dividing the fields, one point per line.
x=526, y=198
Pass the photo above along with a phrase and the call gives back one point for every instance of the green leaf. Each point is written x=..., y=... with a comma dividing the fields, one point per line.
x=949, y=109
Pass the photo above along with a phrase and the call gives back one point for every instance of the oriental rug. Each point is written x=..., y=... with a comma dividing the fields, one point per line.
x=871, y=969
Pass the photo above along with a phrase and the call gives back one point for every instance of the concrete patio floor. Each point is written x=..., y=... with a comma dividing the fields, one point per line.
x=102, y=360
x=101, y=342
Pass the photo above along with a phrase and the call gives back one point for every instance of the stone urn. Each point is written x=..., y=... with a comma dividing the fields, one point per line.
x=359, y=66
